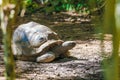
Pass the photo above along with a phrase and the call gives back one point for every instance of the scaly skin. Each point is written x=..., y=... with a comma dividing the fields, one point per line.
x=57, y=51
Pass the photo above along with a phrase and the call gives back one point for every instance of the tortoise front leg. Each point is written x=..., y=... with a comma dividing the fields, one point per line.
x=47, y=57
x=65, y=55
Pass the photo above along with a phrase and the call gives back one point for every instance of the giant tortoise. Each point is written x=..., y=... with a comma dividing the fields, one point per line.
x=36, y=42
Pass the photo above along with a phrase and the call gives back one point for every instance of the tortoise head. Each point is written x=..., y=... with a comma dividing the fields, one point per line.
x=67, y=45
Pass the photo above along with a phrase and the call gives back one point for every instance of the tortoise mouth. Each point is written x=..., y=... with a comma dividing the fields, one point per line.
x=72, y=44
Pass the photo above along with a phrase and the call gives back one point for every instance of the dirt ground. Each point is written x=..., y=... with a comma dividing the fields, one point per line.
x=86, y=57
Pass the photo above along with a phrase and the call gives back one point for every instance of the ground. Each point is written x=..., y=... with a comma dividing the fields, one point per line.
x=86, y=57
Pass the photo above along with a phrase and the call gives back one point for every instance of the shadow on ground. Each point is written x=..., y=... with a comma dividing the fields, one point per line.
x=87, y=66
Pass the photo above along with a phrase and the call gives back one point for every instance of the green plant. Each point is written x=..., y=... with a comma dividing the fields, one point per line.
x=49, y=6
x=30, y=6
x=112, y=23
x=66, y=5
x=8, y=14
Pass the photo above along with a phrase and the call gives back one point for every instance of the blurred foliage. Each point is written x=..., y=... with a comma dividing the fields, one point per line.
x=30, y=5
x=112, y=24
x=49, y=6
x=8, y=16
